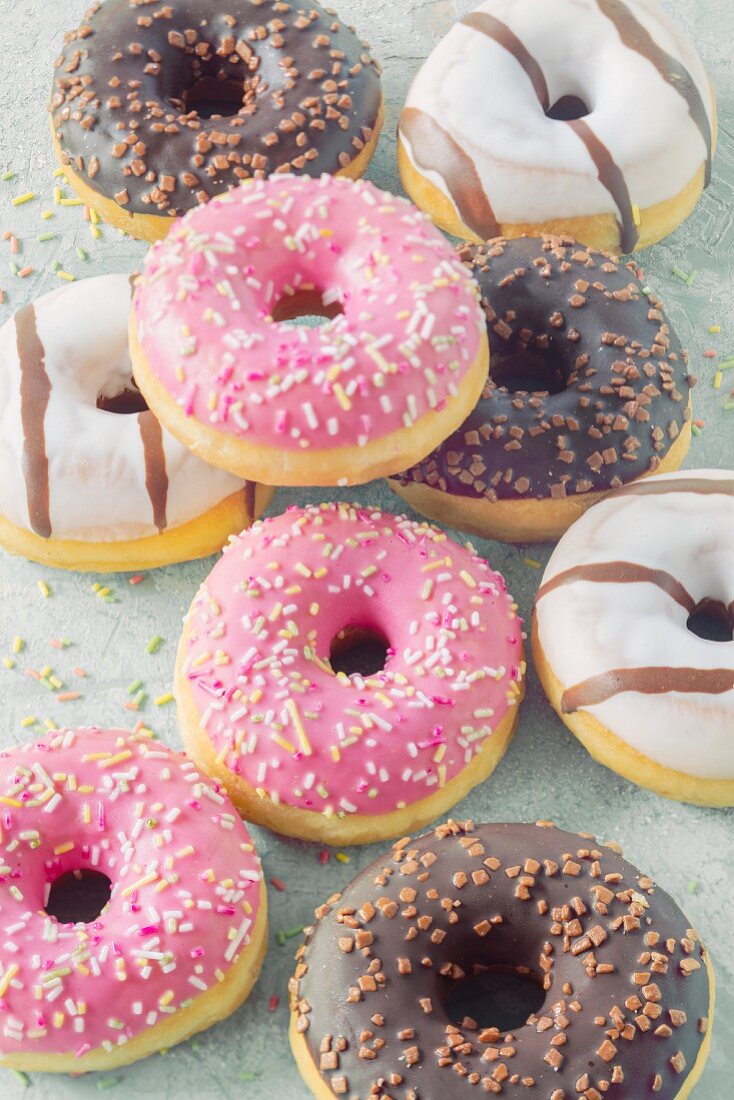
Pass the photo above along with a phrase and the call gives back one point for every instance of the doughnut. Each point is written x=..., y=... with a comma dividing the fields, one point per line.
x=588, y=390
x=588, y=117
x=397, y=365
x=90, y=480
x=156, y=107
x=626, y=1012
x=132, y=900
x=632, y=634
x=264, y=701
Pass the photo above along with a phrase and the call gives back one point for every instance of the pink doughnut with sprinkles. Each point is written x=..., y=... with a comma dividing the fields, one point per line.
x=434, y=649
x=398, y=363
x=131, y=900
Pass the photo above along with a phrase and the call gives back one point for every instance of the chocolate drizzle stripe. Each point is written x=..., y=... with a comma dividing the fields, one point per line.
x=35, y=391
x=705, y=486
x=250, y=492
x=156, y=476
x=459, y=171
x=646, y=681
x=673, y=72
x=612, y=178
x=621, y=572
x=494, y=28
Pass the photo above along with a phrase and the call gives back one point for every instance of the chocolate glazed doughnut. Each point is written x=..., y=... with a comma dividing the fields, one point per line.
x=588, y=390
x=628, y=985
x=158, y=106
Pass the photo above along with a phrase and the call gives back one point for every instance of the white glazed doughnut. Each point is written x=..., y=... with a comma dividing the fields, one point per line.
x=591, y=117
x=647, y=696
x=75, y=473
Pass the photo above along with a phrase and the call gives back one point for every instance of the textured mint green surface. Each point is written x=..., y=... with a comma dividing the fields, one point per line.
x=546, y=774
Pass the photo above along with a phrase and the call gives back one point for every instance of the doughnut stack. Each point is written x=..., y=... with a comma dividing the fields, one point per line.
x=346, y=675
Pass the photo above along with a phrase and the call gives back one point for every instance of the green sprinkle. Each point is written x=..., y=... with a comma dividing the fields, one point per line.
x=680, y=274
x=140, y=698
x=280, y=937
x=82, y=253
x=14, y=269
x=154, y=644
x=46, y=237
x=56, y=265
x=647, y=290
x=728, y=406
x=108, y=1082
x=695, y=429
x=195, y=1045
x=691, y=278
x=727, y=363
x=291, y=932
x=134, y=686
x=246, y=1075
x=22, y=1078
x=692, y=886
x=9, y=175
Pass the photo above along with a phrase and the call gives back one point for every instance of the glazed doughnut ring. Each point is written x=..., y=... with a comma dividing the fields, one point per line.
x=310, y=751
x=154, y=111
x=648, y=698
x=399, y=363
x=588, y=389
x=627, y=990
x=90, y=480
x=588, y=117
x=178, y=933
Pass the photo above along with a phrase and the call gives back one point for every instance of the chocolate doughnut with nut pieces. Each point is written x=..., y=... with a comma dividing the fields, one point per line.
x=628, y=985
x=588, y=390
x=159, y=104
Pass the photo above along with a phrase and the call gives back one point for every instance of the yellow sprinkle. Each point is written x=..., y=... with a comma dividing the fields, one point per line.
x=342, y=857
x=442, y=775
x=20, y=199
x=44, y=589
x=427, y=589
x=532, y=563
x=335, y=754
x=636, y=213
x=717, y=380
x=435, y=564
x=71, y=202
x=285, y=745
x=166, y=998
x=183, y=852
x=163, y=699
x=58, y=1019
x=61, y=849
x=91, y=756
x=7, y=978
x=29, y=720
x=8, y=662
x=715, y=328
x=86, y=813
x=47, y=214
x=292, y=709
x=160, y=886
x=439, y=754
x=341, y=397
x=58, y=172
x=57, y=196
x=66, y=276
x=150, y=877
x=18, y=644
x=467, y=579
x=117, y=759
x=6, y=801
x=384, y=699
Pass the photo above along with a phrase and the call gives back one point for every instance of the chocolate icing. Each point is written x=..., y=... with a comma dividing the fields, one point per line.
x=578, y=314
x=311, y=97
x=646, y=681
x=156, y=475
x=627, y=993
x=620, y=572
x=430, y=144
x=35, y=391
x=637, y=38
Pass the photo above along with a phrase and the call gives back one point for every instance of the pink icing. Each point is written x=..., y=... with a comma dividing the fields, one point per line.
x=260, y=632
x=410, y=329
x=141, y=814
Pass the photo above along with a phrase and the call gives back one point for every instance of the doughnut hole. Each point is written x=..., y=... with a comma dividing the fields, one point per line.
x=128, y=401
x=359, y=649
x=498, y=995
x=712, y=620
x=210, y=97
x=528, y=372
x=568, y=107
x=306, y=307
x=78, y=897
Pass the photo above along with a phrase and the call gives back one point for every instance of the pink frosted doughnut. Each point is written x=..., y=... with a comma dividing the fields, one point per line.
x=348, y=758
x=403, y=352
x=180, y=942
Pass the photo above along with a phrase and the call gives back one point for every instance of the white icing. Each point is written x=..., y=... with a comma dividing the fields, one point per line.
x=533, y=168
x=587, y=627
x=96, y=458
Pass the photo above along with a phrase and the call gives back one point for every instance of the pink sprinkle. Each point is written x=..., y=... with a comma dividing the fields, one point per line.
x=710, y=353
x=324, y=856
x=277, y=884
x=197, y=952
x=273, y=1002
x=149, y=929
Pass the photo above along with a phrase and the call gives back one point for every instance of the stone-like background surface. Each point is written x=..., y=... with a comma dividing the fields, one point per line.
x=546, y=773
